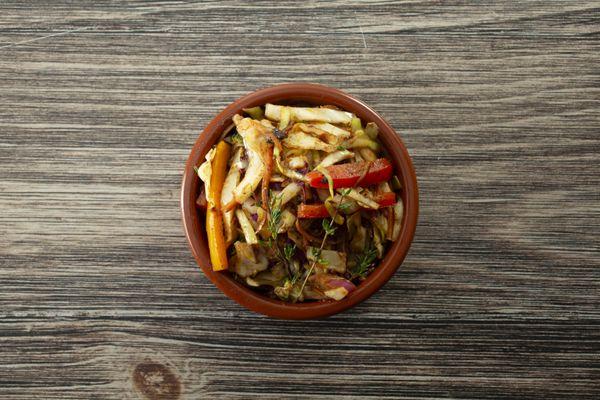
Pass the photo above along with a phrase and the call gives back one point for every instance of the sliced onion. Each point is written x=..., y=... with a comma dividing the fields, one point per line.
x=336, y=283
x=337, y=294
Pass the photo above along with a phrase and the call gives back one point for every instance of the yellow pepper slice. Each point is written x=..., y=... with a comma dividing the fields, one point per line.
x=214, y=218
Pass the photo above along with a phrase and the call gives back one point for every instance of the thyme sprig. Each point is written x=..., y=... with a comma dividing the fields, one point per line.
x=329, y=228
x=288, y=251
x=344, y=206
x=364, y=261
x=286, y=254
x=274, y=215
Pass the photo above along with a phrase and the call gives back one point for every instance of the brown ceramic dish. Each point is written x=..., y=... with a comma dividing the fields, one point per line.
x=315, y=95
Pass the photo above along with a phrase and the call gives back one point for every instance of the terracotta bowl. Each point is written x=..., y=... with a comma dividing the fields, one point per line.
x=193, y=222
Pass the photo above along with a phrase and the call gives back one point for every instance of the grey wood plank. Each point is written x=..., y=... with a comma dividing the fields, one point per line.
x=498, y=103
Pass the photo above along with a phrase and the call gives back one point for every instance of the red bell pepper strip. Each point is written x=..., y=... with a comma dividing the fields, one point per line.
x=387, y=199
x=312, y=211
x=320, y=211
x=348, y=175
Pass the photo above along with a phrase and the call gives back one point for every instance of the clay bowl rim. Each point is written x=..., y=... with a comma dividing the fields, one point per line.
x=314, y=94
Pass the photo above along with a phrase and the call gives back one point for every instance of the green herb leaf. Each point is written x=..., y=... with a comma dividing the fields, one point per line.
x=318, y=259
x=288, y=251
x=295, y=277
x=364, y=261
x=315, y=252
x=275, y=215
x=328, y=227
x=344, y=206
x=236, y=138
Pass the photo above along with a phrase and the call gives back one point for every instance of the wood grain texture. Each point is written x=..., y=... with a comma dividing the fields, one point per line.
x=498, y=103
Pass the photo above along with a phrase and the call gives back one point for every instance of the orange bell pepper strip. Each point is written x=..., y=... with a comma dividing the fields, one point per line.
x=214, y=218
x=216, y=240
x=320, y=211
x=350, y=174
x=219, y=171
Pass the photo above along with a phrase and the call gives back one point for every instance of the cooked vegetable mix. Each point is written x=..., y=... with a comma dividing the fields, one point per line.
x=300, y=202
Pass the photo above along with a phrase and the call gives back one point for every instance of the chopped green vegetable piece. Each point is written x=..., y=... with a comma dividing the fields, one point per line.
x=363, y=140
x=355, y=124
x=286, y=118
x=372, y=130
x=396, y=184
x=255, y=112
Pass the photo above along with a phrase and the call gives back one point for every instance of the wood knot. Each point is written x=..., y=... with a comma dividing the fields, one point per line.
x=156, y=382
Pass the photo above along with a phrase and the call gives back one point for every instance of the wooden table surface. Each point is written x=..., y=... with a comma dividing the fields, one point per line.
x=498, y=103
